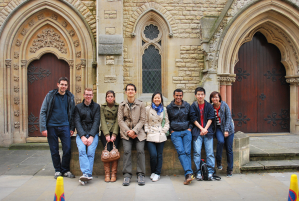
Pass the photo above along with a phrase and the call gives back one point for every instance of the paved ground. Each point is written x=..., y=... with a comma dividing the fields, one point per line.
x=28, y=175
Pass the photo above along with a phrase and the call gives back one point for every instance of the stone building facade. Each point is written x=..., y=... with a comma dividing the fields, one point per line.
x=155, y=44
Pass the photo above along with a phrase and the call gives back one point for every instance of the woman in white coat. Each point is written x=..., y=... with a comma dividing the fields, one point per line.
x=156, y=127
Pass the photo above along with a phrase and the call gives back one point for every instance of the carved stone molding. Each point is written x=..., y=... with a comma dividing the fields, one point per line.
x=72, y=33
x=16, y=67
x=78, y=78
x=18, y=43
x=16, y=55
x=31, y=23
x=17, y=124
x=78, y=66
x=17, y=113
x=83, y=63
x=40, y=17
x=8, y=63
x=17, y=101
x=78, y=89
x=24, y=31
x=23, y=63
x=71, y=63
x=48, y=38
x=54, y=17
x=76, y=43
x=226, y=80
x=78, y=100
x=78, y=54
x=293, y=80
x=64, y=24
x=16, y=89
x=16, y=79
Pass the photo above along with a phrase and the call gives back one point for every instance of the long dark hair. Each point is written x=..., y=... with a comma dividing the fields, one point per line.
x=154, y=94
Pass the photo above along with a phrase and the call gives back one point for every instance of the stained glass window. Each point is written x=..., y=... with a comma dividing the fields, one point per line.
x=151, y=70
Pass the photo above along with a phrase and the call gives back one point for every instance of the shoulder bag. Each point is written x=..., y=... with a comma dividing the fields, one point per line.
x=113, y=155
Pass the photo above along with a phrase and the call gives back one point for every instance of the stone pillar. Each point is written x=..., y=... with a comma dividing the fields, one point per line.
x=294, y=101
x=110, y=49
x=226, y=88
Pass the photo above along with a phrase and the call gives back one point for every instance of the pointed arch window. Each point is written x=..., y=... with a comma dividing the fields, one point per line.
x=151, y=59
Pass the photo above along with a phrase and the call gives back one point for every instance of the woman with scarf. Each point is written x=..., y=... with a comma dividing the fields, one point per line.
x=156, y=127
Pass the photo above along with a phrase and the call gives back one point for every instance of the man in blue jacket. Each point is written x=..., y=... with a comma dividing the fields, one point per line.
x=180, y=128
x=202, y=115
x=55, y=121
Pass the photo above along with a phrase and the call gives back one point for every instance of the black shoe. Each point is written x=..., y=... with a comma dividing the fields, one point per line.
x=69, y=175
x=126, y=181
x=140, y=180
x=229, y=173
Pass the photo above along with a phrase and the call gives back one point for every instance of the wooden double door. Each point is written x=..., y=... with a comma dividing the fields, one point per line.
x=42, y=76
x=260, y=95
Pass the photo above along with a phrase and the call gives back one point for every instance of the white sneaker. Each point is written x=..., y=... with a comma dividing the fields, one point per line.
x=152, y=176
x=156, y=177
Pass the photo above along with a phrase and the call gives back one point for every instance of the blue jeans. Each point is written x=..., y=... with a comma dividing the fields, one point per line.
x=182, y=143
x=62, y=132
x=156, y=156
x=228, y=141
x=210, y=159
x=86, y=154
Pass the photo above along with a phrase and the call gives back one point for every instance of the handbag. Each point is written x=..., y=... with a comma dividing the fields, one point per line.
x=107, y=156
x=163, y=122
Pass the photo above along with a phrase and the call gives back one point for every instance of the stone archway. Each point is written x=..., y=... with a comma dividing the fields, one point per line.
x=278, y=21
x=40, y=27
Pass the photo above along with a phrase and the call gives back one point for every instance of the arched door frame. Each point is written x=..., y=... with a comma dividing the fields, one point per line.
x=278, y=21
x=72, y=45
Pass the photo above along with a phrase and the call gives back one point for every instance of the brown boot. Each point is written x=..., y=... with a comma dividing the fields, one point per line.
x=107, y=171
x=113, y=171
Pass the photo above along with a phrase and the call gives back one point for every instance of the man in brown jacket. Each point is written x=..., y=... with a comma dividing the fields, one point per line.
x=131, y=118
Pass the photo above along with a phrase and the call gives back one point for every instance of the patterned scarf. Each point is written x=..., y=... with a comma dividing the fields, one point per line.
x=159, y=109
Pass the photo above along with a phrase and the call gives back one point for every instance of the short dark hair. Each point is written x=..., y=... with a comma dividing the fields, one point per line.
x=63, y=79
x=154, y=94
x=213, y=94
x=110, y=92
x=130, y=84
x=200, y=89
x=178, y=90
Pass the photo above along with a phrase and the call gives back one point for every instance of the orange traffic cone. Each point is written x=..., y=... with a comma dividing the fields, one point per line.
x=293, y=191
x=59, y=192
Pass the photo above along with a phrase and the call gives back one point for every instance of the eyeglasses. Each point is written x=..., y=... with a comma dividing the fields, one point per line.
x=88, y=94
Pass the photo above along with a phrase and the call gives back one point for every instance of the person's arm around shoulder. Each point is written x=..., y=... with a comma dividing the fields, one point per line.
x=166, y=125
x=43, y=116
x=141, y=121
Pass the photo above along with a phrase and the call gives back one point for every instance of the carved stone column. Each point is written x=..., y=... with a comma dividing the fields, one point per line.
x=226, y=87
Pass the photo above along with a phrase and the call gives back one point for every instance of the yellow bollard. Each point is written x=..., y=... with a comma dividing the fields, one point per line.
x=293, y=191
x=59, y=192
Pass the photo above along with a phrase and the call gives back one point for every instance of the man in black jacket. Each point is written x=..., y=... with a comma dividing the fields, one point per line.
x=180, y=128
x=55, y=121
x=87, y=121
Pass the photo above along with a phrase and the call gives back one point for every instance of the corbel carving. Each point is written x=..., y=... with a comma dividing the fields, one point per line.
x=76, y=43
x=293, y=80
x=18, y=43
x=16, y=89
x=78, y=54
x=16, y=79
x=17, y=113
x=72, y=33
x=16, y=67
x=23, y=63
x=8, y=63
x=17, y=101
x=17, y=124
x=228, y=80
x=83, y=63
x=71, y=63
x=78, y=89
x=78, y=78
x=16, y=55
x=78, y=66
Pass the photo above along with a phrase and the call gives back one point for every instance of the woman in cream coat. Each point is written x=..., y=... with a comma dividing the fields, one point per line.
x=156, y=126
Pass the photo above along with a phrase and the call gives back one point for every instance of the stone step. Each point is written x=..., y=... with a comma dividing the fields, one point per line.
x=277, y=155
x=31, y=146
x=270, y=166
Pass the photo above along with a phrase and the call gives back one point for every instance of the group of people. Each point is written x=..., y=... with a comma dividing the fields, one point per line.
x=133, y=122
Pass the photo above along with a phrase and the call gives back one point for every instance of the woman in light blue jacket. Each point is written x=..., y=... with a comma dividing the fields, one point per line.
x=224, y=129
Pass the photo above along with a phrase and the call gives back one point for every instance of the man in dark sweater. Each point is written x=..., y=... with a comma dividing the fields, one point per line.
x=180, y=128
x=55, y=122
x=87, y=121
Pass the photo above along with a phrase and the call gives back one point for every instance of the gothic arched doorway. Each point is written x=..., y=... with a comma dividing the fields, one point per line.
x=260, y=95
x=42, y=75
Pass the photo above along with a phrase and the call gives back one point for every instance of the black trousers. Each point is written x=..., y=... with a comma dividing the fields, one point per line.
x=110, y=144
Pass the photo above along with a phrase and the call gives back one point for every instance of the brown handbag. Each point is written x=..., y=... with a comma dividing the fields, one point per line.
x=107, y=156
